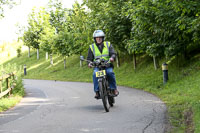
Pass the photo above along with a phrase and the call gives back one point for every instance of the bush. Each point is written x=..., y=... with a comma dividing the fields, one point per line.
x=19, y=51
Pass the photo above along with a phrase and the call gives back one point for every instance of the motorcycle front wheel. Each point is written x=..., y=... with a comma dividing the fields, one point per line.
x=104, y=96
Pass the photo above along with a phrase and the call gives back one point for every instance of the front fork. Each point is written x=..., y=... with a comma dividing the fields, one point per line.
x=106, y=85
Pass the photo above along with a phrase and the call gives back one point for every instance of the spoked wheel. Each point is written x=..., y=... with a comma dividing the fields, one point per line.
x=104, y=96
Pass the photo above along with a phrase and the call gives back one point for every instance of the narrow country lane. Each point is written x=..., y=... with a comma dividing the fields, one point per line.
x=70, y=107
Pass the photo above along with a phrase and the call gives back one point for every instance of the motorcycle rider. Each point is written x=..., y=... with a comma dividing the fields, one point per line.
x=102, y=49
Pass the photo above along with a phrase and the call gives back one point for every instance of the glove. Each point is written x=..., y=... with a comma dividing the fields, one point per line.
x=111, y=59
x=90, y=65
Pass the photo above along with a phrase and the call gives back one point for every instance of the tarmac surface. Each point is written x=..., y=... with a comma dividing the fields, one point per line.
x=70, y=107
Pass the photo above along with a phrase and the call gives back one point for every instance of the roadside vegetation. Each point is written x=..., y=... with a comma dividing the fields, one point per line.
x=17, y=93
x=9, y=51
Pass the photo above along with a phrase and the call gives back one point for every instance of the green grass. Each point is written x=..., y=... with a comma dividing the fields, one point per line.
x=6, y=103
x=181, y=94
x=9, y=101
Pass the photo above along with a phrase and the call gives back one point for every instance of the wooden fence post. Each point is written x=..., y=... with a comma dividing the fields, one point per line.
x=9, y=85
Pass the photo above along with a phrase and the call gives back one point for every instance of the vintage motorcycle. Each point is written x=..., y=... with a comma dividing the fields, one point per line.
x=105, y=92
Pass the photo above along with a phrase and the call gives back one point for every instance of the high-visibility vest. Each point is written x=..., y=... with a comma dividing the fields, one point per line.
x=105, y=51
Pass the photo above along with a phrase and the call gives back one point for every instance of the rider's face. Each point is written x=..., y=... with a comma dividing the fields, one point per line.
x=99, y=40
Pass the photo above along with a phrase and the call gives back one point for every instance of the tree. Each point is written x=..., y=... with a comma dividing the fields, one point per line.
x=62, y=44
x=57, y=15
x=26, y=38
x=59, y=21
x=47, y=35
x=33, y=32
x=79, y=27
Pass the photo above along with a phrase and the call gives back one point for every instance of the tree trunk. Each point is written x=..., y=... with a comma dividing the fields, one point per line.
x=47, y=56
x=38, y=54
x=29, y=49
x=51, y=59
x=117, y=60
x=134, y=61
x=155, y=63
x=65, y=62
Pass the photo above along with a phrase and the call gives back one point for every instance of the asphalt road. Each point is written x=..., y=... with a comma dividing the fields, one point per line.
x=70, y=107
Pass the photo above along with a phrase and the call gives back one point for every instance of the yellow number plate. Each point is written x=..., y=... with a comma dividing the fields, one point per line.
x=101, y=73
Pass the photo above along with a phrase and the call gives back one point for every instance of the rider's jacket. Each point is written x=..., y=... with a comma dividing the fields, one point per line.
x=104, y=54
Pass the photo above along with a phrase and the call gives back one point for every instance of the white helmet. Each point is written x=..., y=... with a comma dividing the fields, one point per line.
x=98, y=33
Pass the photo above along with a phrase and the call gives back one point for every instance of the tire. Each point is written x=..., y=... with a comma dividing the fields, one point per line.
x=104, y=96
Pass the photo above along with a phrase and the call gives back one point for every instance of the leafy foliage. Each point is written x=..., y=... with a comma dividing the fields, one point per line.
x=157, y=28
x=80, y=28
x=163, y=27
x=33, y=32
x=47, y=34
x=108, y=16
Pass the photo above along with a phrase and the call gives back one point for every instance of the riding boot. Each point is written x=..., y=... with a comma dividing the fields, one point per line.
x=115, y=92
x=97, y=95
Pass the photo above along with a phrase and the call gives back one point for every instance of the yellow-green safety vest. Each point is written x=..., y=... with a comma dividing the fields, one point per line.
x=105, y=52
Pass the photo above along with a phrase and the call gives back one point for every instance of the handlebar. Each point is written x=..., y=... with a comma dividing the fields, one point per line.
x=100, y=63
